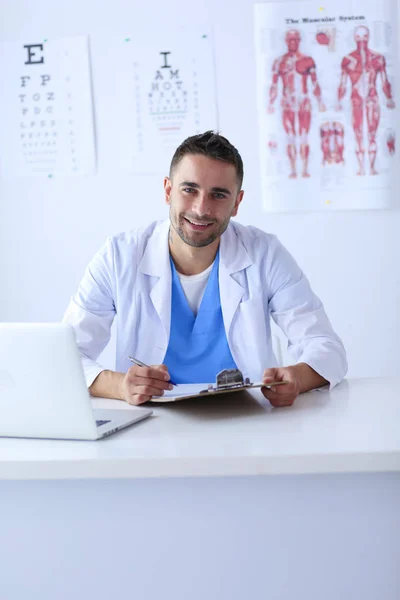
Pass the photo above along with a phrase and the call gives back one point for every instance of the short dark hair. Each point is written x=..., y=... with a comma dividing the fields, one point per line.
x=213, y=145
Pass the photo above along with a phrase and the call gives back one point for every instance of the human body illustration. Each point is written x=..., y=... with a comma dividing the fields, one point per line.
x=295, y=70
x=362, y=67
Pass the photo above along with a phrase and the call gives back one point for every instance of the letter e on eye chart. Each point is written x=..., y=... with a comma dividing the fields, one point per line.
x=46, y=109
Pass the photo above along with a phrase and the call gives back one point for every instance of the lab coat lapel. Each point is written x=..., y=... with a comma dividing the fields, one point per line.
x=233, y=258
x=156, y=264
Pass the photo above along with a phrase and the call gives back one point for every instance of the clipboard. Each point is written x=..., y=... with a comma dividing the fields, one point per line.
x=200, y=390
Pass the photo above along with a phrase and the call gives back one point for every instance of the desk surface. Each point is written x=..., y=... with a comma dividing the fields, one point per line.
x=353, y=428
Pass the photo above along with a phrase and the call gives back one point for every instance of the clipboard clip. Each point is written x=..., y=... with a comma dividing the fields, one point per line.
x=228, y=379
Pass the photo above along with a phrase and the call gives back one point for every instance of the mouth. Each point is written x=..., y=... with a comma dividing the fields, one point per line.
x=197, y=225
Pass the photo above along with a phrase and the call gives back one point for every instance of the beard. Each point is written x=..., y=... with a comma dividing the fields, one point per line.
x=197, y=239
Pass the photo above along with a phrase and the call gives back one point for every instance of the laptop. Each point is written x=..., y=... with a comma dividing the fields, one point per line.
x=43, y=393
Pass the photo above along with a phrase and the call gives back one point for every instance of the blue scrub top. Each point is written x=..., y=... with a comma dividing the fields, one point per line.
x=198, y=348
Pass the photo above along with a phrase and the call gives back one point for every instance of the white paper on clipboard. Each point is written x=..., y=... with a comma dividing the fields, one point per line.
x=184, y=391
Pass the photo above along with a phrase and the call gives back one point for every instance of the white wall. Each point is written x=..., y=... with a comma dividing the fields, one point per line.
x=50, y=229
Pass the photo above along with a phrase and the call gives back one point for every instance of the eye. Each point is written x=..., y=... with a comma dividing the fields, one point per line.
x=189, y=190
x=219, y=196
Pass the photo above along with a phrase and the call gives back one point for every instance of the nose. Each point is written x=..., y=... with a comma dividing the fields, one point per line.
x=201, y=205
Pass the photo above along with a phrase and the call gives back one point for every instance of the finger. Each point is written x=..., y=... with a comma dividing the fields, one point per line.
x=271, y=395
x=273, y=385
x=160, y=367
x=270, y=375
x=145, y=390
x=288, y=388
x=158, y=384
x=149, y=372
x=278, y=398
x=278, y=393
x=142, y=394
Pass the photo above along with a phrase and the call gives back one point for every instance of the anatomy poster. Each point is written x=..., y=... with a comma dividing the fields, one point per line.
x=46, y=112
x=327, y=104
x=165, y=92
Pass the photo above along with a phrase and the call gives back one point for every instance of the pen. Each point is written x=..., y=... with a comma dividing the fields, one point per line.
x=139, y=363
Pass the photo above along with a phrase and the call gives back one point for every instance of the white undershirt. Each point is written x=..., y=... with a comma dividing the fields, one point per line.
x=194, y=286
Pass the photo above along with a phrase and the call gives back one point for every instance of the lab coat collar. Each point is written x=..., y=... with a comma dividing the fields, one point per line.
x=233, y=258
x=155, y=259
x=233, y=255
x=155, y=262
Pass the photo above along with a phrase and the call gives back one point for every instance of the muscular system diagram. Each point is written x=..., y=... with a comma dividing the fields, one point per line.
x=297, y=71
x=362, y=67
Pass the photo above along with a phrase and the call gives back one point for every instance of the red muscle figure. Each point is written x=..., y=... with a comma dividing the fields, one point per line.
x=332, y=142
x=326, y=135
x=362, y=67
x=390, y=141
x=338, y=142
x=295, y=69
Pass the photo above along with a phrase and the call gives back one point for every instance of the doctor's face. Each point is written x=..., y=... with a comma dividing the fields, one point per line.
x=203, y=195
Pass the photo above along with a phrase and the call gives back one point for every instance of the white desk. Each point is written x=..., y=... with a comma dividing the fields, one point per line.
x=171, y=507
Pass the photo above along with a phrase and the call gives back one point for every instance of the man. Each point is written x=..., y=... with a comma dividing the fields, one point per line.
x=362, y=67
x=295, y=68
x=193, y=294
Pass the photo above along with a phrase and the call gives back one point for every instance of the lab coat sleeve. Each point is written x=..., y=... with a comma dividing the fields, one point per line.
x=301, y=316
x=91, y=311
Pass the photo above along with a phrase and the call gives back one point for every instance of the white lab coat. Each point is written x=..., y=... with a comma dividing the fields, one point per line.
x=130, y=278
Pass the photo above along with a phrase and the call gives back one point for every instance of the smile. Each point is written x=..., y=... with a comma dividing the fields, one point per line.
x=197, y=225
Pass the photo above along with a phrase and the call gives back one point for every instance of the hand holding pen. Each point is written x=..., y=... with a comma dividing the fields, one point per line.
x=138, y=362
x=142, y=382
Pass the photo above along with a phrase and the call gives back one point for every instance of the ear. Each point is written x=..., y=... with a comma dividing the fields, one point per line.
x=167, y=189
x=238, y=200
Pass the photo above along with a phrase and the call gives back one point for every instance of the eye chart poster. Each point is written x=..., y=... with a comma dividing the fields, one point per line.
x=327, y=104
x=46, y=108
x=165, y=92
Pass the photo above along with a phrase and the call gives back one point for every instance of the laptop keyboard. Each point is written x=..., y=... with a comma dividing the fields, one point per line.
x=99, y=422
